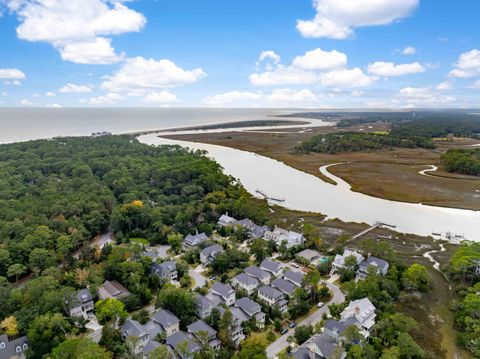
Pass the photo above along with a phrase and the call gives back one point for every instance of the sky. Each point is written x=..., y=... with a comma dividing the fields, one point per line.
x=248, y=53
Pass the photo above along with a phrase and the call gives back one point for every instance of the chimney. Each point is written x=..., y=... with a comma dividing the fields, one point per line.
x=357, y=310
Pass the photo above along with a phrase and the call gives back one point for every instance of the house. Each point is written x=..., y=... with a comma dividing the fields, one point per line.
x=273, y=297
x=247, y=283
x=169, y=323
x=319, y=346
x=200, y=326
x=208, y=254
x=182, y=344
x=112, y=289
x=81, y=304
x=253, y=230
x=223, y=291
x=282, y=236
x=238, y=318
x=204, y=306
x=251, y=309
x=285, y=286
x=150, y=347
x=294, y=277
x=363, y=311
x=378, y=265
x=166, y=270
x=339, y=261
x=274, y=268
x=334, y=329
x=225, y=221
x=132, y=328
x=194, y=240
x=13, y=348
x=310, y=257
x=259, y=274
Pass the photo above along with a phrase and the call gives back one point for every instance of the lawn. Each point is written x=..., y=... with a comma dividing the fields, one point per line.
x=139, y=240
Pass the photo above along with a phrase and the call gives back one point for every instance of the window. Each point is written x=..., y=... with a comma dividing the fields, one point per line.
x=2, y=345
x=18, y=349
x=25, y=346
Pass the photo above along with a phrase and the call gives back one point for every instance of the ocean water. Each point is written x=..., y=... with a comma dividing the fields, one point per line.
x=23, y=124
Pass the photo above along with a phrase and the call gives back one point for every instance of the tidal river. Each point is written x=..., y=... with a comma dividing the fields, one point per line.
x=305, y=192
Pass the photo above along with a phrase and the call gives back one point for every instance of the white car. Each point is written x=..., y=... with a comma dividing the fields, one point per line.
x=320, y=304
x=295, y=265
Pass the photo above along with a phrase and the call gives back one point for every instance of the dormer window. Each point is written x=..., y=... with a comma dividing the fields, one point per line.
x=25, y=346
x=2, y=345
x=18, y=349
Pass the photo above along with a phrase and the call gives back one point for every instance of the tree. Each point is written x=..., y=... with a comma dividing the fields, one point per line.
x=110, y=309
x=416, y=278
x=259, y=248
x=408, y=348
x=161, y=352
x=312, y=278
x=391, y=353
x=16, y=270
x=254, y=347
x=175, y=240
x=10, y=326
x=352, y=335
x=80, y=348
x=225, y=329
x=303, y=333
x=41, y=258
x=179, y=301
x=45, y=333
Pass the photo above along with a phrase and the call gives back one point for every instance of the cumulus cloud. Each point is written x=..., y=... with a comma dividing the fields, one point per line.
x=76, y=28
x=389, y=69
x=269, y=54
x=468, y=65
x=320, y=60
x=346, y=78
x=283, y=97
x=140, y=75
x=72, y=88
x=232, y=96
x=409, y=50
x=162, y=98
x=317, y=66
x=108, y=99
x=50, y=94
x=423, y=96
x=26, y=102
x=12, y=74
x=338, y=19
x=444, y=86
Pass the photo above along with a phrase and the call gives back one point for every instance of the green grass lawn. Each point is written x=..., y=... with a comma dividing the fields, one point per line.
x=139, y=240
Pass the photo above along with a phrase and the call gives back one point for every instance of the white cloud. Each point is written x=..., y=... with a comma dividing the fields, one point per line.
x=269, y=54
x=54, y=105
x=389, y=69
x=13, y=83
x=26, y=102
x=409, y=50
x=108, y=99
x=281, y=96
x=50, y=94
x=232, y=96
x=282, y=75
x=142, y=75
x=338, y=19
x=357, y=93
x=320, y=60
x=5, y=94
x=72, y=88
x=162, y=98
x=475, y=85
x=12, y=74
x=423, y=96
x=468, y=65
x=97, y=51
x=444, y=86
x=72, y=26
x=346, y=78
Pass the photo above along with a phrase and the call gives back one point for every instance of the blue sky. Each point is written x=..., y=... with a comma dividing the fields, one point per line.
x=249, y=53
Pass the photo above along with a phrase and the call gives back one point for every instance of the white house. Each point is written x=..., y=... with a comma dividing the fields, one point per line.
x=282, y=236
x=245, y=282
x=339, y=261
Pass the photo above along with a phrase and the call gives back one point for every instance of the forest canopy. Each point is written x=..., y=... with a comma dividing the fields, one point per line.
x=462, y=161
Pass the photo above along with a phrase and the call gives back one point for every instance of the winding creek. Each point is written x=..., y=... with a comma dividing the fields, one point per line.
x=305, y=192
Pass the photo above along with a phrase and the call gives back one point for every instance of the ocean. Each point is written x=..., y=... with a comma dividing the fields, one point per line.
x=23, y=124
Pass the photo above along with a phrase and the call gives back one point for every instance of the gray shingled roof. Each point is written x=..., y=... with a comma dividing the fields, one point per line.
x=165, y=318
x=248, y=306
x=201, y=326
x=295, y=277
x=247, y=280
x=132, y=328
x=115, y=289
x=381, y=264
x=195, y=240
x=270, y=265
x=335, y=326
x=212, y=250
x=179, y=337
x=222, y=289
x=257, y=272
x=10, y=350
x=270, y=292
x=284, y=285
x=203, y=302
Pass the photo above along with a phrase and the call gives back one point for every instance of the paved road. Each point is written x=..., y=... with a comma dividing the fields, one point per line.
x=199, y=279
x=281, y=343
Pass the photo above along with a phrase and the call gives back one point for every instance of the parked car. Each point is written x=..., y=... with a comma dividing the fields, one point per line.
x=213, y=277
x=320, y=304
x=295, y=265
x=283, y=331
x=292, y=325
